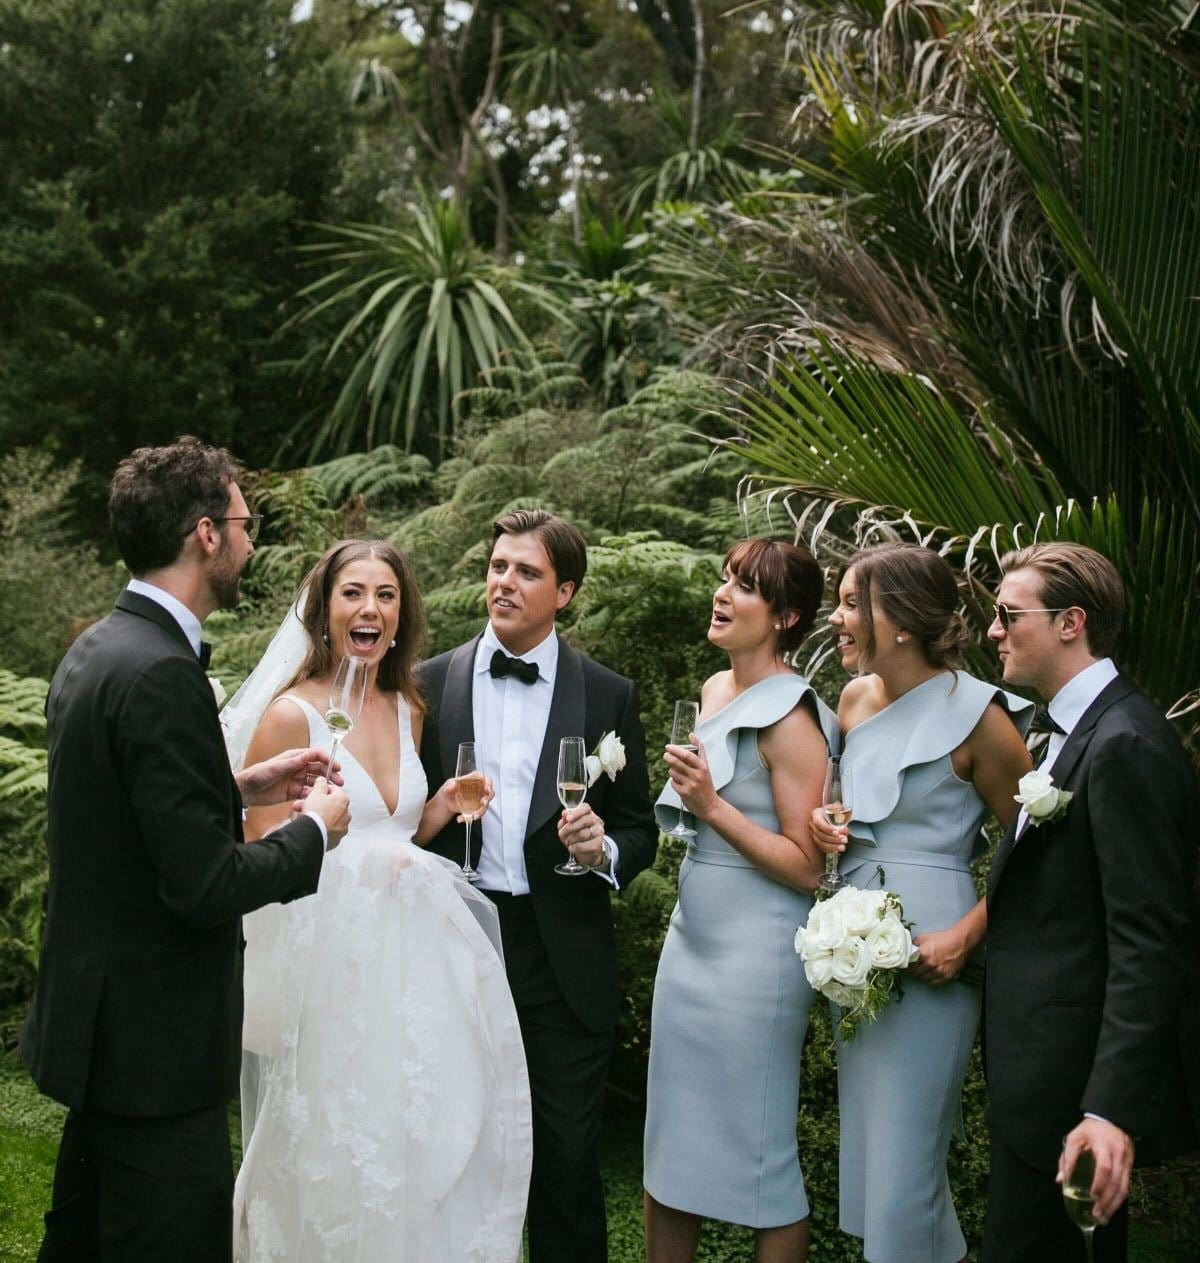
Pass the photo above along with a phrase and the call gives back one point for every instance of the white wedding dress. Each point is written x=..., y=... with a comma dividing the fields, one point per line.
x=385, y=1100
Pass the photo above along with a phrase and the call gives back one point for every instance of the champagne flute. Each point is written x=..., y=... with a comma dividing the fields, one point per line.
x=468, y=781
x=572, y=790
x=346, y=697
x=1077, y=1196
x=687, y=716
x=836, y=806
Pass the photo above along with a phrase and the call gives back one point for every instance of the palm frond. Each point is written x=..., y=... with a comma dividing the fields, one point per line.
x=839, y=424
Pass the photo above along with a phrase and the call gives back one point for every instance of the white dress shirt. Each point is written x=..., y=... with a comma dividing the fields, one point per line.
x=1067, y=708
x=510, y=720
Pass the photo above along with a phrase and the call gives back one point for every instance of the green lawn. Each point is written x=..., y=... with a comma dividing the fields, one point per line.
x=29, y=1127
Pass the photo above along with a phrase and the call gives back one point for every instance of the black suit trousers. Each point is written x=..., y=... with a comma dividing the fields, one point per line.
x=141, y=1190
x=568, y=1066
x=1026, y=1222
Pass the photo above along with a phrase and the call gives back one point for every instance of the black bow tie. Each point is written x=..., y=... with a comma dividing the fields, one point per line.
x=1043, y=722
x=502, y=665
x=205, y=654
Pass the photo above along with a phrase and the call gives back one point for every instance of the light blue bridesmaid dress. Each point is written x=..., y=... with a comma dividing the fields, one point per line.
x=915, y=829
x=730, y=999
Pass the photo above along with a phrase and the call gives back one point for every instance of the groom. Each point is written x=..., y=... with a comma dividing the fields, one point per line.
x=517, y=690
x=137, y=1015
x=1091, y=994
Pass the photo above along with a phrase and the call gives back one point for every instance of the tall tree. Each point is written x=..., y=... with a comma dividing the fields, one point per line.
x=158, y=162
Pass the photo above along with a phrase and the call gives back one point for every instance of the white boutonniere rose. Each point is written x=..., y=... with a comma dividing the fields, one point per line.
x=608, y=757
x=1042, y=799
x=218, y=690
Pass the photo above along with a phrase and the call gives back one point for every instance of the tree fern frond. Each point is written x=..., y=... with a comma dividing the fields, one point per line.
x=23, y=769
x=23, y=705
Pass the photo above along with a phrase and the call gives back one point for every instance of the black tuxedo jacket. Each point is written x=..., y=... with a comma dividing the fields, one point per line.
x=138, y=1006
x=1091, y=1001
x=573, y=913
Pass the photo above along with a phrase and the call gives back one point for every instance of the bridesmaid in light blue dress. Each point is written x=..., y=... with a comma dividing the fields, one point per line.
x=730, y=1000
x=929, y=752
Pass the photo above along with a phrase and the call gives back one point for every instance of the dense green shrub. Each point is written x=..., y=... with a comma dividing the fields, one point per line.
x=23, y=830
x=51, y=583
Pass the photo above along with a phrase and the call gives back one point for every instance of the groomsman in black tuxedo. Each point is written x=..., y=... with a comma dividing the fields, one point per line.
x=1090, y=1001
x=137, y=1017
x=517, y=689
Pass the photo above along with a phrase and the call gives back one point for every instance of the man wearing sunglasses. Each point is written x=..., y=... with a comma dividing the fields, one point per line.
x=1092, y=995
x=136, y=1018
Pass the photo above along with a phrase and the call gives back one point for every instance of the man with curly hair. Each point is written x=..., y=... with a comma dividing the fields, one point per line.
x=136, y=1017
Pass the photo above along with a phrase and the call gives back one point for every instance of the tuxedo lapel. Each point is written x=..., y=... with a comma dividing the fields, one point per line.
x=568, y=710
x=1081, y=734
x=456, y=721
x=1064, y=766
x=1003, y=851
x=144, y=607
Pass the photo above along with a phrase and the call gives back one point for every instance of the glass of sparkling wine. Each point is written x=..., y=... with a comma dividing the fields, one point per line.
x=468, y=780
x=346, y=697
x=687, y=716
x=572, y=790
x=1077, y=1196
x=835, y=802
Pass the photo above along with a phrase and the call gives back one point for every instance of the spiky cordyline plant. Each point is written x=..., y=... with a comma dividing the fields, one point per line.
x=429, y=318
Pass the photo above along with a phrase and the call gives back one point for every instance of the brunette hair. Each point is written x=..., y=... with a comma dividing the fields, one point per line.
x=915, y=588
x=563, y=543
x=158, y=494
x=786, y=577
x=395, y=674
x=1074, y=575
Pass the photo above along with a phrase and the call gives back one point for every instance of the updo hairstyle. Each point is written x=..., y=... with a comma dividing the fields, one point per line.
x=915, y=588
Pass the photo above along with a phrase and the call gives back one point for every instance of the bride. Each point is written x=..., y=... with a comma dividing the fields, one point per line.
x=385, y=1102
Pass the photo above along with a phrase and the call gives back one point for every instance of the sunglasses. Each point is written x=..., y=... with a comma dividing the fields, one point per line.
x=1006, y=615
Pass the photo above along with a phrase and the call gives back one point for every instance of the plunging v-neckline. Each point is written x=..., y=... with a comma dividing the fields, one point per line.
x=346, y=753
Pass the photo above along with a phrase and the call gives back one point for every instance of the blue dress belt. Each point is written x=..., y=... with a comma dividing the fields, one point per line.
x=885, y=855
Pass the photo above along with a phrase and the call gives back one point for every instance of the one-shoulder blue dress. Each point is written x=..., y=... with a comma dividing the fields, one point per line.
x=900, y=1079
x=730, y=999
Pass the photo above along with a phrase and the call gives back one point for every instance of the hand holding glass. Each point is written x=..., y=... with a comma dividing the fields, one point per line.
x=572, y=790
x=687, y=716
x=1077, y=1196
x=835, y=802
x=346, y=696
x=468, y=785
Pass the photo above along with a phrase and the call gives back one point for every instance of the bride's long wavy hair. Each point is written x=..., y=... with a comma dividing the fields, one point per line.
x=395, y=674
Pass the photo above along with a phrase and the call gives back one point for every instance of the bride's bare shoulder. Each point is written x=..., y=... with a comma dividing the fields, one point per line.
x=284, y=726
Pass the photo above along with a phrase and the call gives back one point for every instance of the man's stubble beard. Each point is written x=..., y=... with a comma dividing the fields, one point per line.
x=226, y=577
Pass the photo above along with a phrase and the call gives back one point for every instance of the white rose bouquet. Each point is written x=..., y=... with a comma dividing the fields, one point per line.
x=854, y=946
x=608, y=757
x=1042, y=799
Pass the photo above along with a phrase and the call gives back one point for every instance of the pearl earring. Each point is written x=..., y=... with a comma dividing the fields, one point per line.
x=393, y=645
x=325, y=637
x=899, y=640
x=777, y=627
